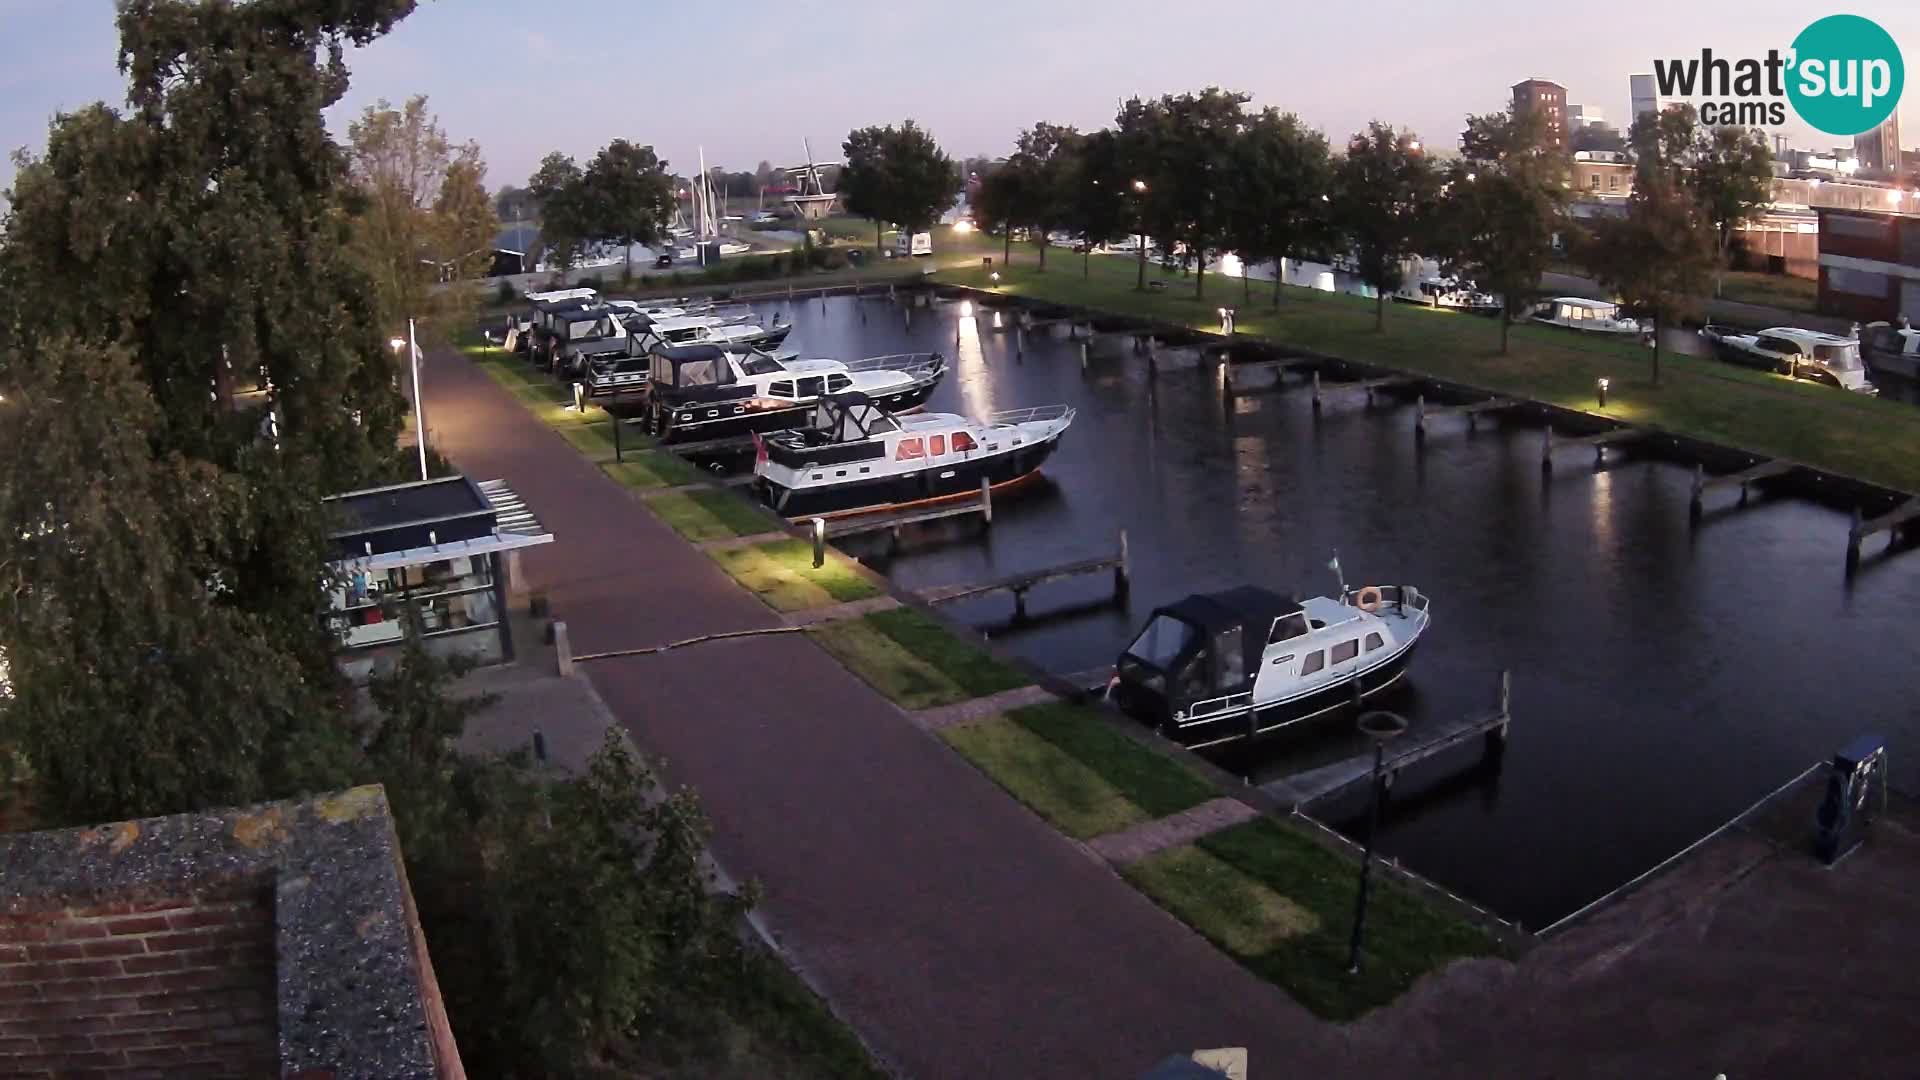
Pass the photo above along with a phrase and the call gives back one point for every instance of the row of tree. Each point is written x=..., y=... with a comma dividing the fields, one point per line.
x=623, y=196
x=162, y=645
x=1204, y=174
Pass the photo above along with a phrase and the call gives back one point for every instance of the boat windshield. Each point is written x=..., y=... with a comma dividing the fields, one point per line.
x=761, y=364
x=1162, y=642
x=1838, y=357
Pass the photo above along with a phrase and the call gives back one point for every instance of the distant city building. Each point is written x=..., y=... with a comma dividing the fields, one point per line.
x=1645, y=96
x=1579, y=116
x=1879, y=150
x=1550, y=98
x=1602, y=174
x=1869, y=264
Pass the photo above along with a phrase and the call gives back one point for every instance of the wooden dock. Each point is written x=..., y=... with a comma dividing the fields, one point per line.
x=1367, y=386
x=1021, y=583
x=1760, y=470
x=1311, y=785
x=892, y=521
x=1472, y=410
x=1550, y=442
x=1890, y=523
x=1231, y=374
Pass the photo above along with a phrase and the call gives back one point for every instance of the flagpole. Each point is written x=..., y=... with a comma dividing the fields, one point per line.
x=419, y=411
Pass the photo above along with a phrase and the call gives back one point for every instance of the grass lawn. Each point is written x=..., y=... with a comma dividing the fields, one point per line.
x=1226, y=886
x=913, y=660
x=1842, y=432
x=594, y=439
x=711, y=515
x=1155, y=782
x=651, y=469
x=1773, y=290
x=781, y=572
x=1056, y=786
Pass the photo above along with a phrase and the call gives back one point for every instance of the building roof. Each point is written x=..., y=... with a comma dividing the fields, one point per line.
x=429, y=521
x=265, y=941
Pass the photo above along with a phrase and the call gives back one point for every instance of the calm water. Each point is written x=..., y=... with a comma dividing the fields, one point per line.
x=1664, y=676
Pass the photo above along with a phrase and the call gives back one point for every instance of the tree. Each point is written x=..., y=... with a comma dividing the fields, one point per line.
x=1383, y=205
x=1659, y=258
x=405, y=172
x=160, y=623
x=1504, y=202
x=1097, y=210
x=512, y=204
x=1276, y=193
x=1181, y=146
x=1731, y=176
x=896, y=174
x=1046, y=159
x=628, y=197
x=996, y=206
x=559, y=190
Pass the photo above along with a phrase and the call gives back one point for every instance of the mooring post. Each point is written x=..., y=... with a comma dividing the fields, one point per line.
x=1123, y=571
x=1546, y=450
x=986, y=500
x=1153, y=359
x=579, y=396
x=539, y=746
x=823, y=304
x=1316, y=390
x=562, y=649
x=819, y=542
x=616, y=439
x=789, y=292
x=1853, y=541
x=1083, y=356
x=1019, y=342
x=1019, y=605
x=1420, y=416
x=1698, y=491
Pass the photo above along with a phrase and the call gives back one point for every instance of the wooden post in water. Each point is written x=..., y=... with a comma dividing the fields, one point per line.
x=1699, y=489
x=986, y=500
x=1083, y=356
x=1153, y=358
x=1019, y=342
x=908, y=313
x=1546, y=450
x=1853, y=542
x=1123, y=571
x=1420, y=416
x=1316, y=391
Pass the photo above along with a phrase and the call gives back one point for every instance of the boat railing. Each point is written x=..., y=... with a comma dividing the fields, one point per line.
x=918, y=364
x=1221, y=704
x=1038, y=413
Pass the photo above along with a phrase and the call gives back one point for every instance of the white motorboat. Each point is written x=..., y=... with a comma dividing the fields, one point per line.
x=702, y=392
x=1796, y=353
x=1588, y=316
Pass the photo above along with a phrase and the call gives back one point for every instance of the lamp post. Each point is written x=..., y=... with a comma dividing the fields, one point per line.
x=419, y=407
x=1380, y=726
x=1140, y=224
x=995, y=276
x=1600, y=391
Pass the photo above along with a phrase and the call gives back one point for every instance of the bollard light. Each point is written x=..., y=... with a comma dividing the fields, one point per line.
x=819, y=542
x=995, y=277
x=1600, y=391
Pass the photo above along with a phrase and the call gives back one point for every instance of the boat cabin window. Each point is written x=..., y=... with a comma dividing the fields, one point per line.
x=1233, y=661
x=963, y=442
x=837, y=383
x=1777, y=344
x=1346, y=651
x=936, y=445
x=1163, y=640
x=760, y=364
x=1288, y=626
x=1193, y=680
x=1315, y=661
x=812, y=387
x=783, y=388
x=1838, y=357
x=680, y=337
x=909, y=449
x=1374, y=641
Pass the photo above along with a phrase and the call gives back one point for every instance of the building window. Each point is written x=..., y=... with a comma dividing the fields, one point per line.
x=1856, y=282
x=1613, y=182
x=447, y=596
x=1593, y=181
x=1866, y=228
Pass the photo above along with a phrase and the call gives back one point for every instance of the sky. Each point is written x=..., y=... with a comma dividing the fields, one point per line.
x=748, y=80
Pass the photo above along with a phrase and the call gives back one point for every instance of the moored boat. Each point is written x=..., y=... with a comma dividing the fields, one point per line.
x=701, y=392
x=857, y=457
x=1892, y=349
x=1794, y=352
x=1217, y=667
x=1598, y=317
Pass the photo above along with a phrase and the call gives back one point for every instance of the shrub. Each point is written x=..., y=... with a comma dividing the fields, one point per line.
x=503, y=293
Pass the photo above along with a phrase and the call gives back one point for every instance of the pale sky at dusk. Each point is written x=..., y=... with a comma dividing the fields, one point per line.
x=749, y=81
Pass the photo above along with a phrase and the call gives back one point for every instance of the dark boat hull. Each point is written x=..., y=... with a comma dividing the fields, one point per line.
x=1326, y=702
x=723, y=420
x=882, y=492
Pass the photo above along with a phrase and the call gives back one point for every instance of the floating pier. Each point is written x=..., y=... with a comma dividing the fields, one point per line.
x=1231, y=373
x=1760, y=470
x=1367, y=386
x=1312, y=785
x=1021, y=583
x=1890, y=523
x=892, y=521
x=1549, y=442
x=1472, y=410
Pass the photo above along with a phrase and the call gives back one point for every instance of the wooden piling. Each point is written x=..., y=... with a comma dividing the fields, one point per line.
x=1420, y=416
x=1694, y=504
x=562, y=650
x=1853, y=541
x=1123, y=572
x=1019, y=342
x=1083, y=356
x=986, y=501
x=1546, y=450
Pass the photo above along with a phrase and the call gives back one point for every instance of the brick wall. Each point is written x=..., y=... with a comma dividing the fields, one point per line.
x=180, y=986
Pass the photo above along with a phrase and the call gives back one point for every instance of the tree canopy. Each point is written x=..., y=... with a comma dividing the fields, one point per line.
x=1181, y=146
x=1504, y=202
x=1384, y=201
x=896, y=174
x=628, y=196
x=1276, y=192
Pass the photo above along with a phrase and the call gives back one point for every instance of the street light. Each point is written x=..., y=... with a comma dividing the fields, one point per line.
x=1140, y=225
x=1380, y=726
x=419, y=407
x=1600, y=390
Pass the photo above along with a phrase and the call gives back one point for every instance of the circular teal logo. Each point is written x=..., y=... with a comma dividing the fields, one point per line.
x=1847, y=75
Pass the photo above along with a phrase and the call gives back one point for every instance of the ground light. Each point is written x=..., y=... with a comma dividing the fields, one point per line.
x=819, y=542
x=1380, y=726
x=995, y=276
x=1600, y=391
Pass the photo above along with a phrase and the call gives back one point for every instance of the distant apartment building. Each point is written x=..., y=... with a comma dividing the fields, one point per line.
x=1550, y=100
x=1602, y=174
x=1644, y=93
x=1579, y=116
x=1869, y=264
x=1878, y=151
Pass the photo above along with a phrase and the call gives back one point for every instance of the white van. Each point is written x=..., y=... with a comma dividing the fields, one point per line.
x=906, y=244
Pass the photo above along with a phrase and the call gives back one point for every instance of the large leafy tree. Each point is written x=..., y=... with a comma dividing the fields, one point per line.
x=1182, y=149
x=629, y=196
x=167, y=543
x=1276, y=193
x=1097, y=208
x=996, y=205
x=896, y=174
x=558, y=188
x=1384, y=200
x=1504, y=202
x=1047, y=158
x=1731, y=176
x=423, y=216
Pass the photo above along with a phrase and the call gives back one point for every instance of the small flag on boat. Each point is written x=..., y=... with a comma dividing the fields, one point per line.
x=1334, y=565
x=759, y=450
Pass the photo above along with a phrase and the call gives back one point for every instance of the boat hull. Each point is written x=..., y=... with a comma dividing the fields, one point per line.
x=1250, y=722
x=946, y=481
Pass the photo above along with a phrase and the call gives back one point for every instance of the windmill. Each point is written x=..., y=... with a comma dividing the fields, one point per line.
x=813, y=201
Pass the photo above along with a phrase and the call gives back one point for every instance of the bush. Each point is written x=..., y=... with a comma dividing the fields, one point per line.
x=504, y=293
x=832, y=259
x=676, y=279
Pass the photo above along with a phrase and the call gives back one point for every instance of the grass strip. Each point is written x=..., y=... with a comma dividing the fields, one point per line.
x=650, y=469
x=710, y=515
x=970, y=667
x=1406, y=936
x=595, y=440
x=781, y=572
x=1237, y=912
x=1075, y=798
x=905, y=679
x=1156, y=783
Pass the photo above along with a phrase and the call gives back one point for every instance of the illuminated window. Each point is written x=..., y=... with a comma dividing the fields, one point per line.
x=908, y=449
x=936, y=445
x=963, y=442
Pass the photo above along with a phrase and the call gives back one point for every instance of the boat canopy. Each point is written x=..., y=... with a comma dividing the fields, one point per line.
x=691, y=365
x=850, y=417
x=1603, y=307
x=1242, y=620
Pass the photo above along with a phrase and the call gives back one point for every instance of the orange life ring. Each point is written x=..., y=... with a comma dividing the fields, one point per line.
x=1368, y=599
